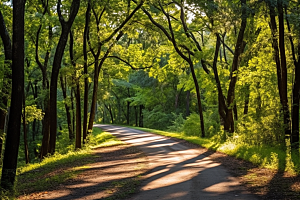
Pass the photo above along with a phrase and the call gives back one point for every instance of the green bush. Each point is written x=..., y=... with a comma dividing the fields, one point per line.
x=157, y=118
x=178, y=123
x=191, y=125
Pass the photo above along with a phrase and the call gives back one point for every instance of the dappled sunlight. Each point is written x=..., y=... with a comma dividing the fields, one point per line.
x=175, y=167
x=222, y=187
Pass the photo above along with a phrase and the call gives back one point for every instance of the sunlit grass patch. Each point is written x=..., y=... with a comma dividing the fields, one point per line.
x=52, y=171
x=58, y=168
x=102, y=139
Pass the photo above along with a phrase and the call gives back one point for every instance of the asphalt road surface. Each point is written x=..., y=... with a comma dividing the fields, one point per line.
x=178, y=172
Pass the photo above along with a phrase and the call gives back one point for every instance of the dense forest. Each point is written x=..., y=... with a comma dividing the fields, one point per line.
x=219, y=69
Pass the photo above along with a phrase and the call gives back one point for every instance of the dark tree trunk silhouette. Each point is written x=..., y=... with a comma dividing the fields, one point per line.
x=13, y=132
x=66, y=27
x=280, y=60
x=239, y=49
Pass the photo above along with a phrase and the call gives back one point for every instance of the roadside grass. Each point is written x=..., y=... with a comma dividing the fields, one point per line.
x=102, y=139
x=275, y=158
x=60, y=167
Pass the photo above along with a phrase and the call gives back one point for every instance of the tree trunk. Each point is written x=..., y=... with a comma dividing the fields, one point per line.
x=285, y=107
x=280, y=59
x=96, y=77
x=66, y=27
x=85, y=71
x=78, y=117
x=97, y=68
x=239, y=48
x=13, y=132
x=198, y=98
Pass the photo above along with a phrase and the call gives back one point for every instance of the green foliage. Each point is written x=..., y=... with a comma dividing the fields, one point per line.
x=177, y=123
x=32, y=113
x=156, y=118
x=191, y=125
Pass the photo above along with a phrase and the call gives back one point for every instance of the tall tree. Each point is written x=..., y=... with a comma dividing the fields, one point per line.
x=171, y=37
x=279, y=55
x=119, y=33
x=66, y=27
x=85, y=57
x=14, y=124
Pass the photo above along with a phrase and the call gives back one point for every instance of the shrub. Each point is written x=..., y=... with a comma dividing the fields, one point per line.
x=191, y=125
x=178, y=123
x=157, y=118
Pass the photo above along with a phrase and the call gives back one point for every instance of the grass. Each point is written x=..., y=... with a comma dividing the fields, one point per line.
x=102, y=139
x=263, y=156
x=58, y=168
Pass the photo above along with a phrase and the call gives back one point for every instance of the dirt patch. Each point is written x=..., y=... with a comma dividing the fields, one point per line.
x=114, y=174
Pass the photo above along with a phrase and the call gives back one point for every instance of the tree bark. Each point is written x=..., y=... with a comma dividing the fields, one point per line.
x=13, y=132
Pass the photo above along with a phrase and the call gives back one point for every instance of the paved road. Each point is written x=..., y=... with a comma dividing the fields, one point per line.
x=178, y=172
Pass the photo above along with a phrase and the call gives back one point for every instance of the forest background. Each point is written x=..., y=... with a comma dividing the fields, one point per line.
x=228, y=70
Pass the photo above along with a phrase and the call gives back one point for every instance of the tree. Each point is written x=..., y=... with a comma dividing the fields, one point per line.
x=119, y=33
x=14, y=124
x=171, y=37
x=49, y=139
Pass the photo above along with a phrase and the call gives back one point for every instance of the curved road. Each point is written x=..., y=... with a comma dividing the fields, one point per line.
x=177, y=172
